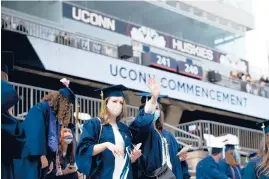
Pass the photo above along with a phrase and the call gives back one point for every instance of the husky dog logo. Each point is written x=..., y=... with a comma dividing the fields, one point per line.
x=148, y=36
x=234, y=62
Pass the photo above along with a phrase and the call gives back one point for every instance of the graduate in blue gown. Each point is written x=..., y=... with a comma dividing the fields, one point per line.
x=65, y=162
x=104, y=149
x=12, y=134
x=42, y=127
x=230, y=165
x=208, y=168
x=159, y=146
x=258, y=167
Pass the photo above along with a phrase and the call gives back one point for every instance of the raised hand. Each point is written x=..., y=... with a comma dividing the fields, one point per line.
x=154, y=88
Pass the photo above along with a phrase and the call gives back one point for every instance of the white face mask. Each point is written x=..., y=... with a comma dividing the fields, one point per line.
x=157, y=114
x=68, y=141
x=114, y=108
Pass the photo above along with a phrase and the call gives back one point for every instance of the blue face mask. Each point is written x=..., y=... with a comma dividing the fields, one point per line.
x=157, y=114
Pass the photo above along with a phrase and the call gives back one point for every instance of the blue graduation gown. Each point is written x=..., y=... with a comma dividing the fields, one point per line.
x=101, y=165
x=12, y=134
x=230, y=172
x=36, y=129
x=144, y=132
x=250, y=169
x=209, y=169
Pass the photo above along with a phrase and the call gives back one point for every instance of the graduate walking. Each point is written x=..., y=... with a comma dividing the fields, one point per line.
x=159, y=146
x=105, y=146
x=42, y=127
x=12, y=134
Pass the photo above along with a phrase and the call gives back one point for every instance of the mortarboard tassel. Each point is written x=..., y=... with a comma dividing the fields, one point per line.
x=102, y=111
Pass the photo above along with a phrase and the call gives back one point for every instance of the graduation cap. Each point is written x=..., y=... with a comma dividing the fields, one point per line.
x=111, y=91
x=215, y=143
x=252, y=154
x=265, y=127
x=9, y=96
x=7, y=61
x=67, y=92
x=229, y=147
x=146, y=96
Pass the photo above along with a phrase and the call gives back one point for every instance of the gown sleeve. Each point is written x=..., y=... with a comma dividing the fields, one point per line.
x=249, y=171
x=223, y=167
x=214, y=173
x=141, y=126
x=9, y=96
x=34, y=125
x=11, y=128
x=12, y=132
x=86, y=163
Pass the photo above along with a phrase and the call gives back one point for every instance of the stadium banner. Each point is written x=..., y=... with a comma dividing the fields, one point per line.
x=139, y=33
x=159, y=61
x=189, y=69
x=92, y=66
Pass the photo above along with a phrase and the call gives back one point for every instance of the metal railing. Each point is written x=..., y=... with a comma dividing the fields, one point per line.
x=30, y=95
x=183, y=137
x=249, y=139
x=17, y=24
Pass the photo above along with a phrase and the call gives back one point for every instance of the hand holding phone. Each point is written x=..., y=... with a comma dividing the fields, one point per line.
x=185, y=149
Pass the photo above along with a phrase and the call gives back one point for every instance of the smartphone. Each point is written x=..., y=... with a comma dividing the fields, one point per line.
x=137, y=147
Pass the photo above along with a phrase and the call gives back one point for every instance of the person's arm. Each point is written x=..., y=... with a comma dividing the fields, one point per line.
x=87, y=158
x=214, y=173
x=34, y=125
x=98, y=148
x=223, y=167
x=249, y=171
x=85, y=155
x=141, y=126
x=155, y=93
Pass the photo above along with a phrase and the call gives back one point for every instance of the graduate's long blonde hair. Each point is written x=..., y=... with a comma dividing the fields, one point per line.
x=230, y=158
x=105, y=116
x=263, y=166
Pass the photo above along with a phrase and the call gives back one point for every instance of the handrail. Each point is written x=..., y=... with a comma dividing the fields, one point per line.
x=180, y=130
x=218, y=123
x=30, y=95
x=249, y=139
x=53, y=34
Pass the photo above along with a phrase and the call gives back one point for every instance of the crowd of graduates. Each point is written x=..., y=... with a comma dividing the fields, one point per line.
x=43, y=146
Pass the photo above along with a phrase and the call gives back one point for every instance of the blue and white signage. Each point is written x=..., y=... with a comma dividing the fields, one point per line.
x=113, y=71
x=159, y=61
x=189, y=69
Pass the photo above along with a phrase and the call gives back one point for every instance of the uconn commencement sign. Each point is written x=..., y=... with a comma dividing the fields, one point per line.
x=186, y=87
x=114, y=71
